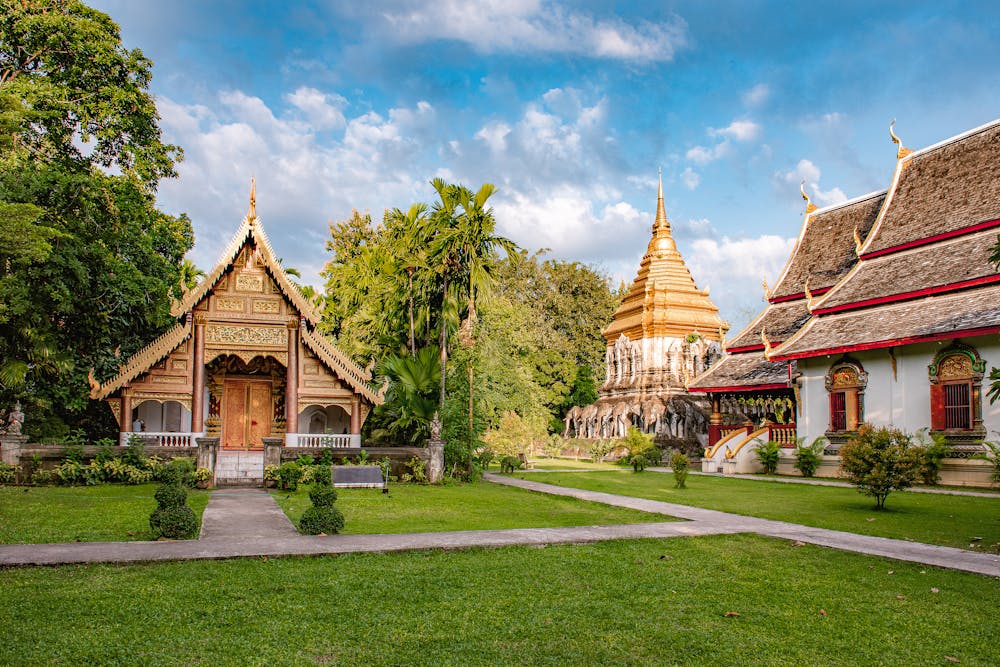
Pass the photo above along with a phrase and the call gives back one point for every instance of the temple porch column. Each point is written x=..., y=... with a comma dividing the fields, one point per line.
x=292, y=378
x=198, y=376
x=355, y=415
x=125, y=411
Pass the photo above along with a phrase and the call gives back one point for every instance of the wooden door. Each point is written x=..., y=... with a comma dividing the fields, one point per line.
x=246, y=413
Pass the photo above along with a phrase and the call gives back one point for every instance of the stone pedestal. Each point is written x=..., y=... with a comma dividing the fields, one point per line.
x=272, y=451
x=10, y=448
x=435, y=463
x=207, y=448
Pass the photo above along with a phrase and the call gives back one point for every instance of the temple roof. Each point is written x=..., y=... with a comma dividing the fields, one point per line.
x=825, y=249
x=781, y=320
x=663, y=300
x=251, y=230
x=745, y=371
x=964, y=313
x=941, y=189
x=940, y=266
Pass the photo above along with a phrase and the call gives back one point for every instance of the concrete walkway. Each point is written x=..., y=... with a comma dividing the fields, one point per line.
x=249, y=523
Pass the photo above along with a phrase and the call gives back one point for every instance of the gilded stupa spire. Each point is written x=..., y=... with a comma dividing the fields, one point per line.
x=663, y=299
x=252, y=211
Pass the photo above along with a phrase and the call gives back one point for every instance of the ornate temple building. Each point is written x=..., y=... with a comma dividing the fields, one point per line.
x=665, y=332
x=887, y=312
x=243, y=362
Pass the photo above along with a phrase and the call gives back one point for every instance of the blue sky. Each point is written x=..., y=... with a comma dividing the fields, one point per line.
x=569, y=108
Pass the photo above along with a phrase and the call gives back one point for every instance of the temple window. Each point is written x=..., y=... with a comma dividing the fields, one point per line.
x=956, y=376
x=845, y=383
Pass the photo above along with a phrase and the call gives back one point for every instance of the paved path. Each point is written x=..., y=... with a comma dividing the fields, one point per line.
x=248, y=523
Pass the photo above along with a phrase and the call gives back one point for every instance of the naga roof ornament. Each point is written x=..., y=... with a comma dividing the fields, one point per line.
x=903, y=151
x=810, y=207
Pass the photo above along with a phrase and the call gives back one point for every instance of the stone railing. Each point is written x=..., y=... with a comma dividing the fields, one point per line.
x=784, y=434
x=322, y=440
x=163, y=438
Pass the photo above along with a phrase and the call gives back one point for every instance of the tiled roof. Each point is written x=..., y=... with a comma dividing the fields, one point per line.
x=825, y=250
x=781, y=320
x=143, y=360
x=931, y=318
x=942, y=188
x=744, y=370
x=944, y=263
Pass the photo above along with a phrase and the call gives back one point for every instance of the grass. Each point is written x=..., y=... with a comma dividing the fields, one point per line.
x=105, y=513
x=572, y=464
x=922, y=517
x=411, y=508
x=615, y=603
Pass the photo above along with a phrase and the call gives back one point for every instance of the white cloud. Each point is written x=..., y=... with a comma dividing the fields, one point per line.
x=740, y=130
x=535, y=26
x=734, y=267
x=806, y=171
x=323, y=111
x=756, y=95
x=702, y=155
x=690, y=178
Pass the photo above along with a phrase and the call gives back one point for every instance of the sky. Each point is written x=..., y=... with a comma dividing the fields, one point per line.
x=569, y=108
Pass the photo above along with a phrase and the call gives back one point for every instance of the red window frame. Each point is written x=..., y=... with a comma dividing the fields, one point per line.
x=838, y=411
x=957, y=406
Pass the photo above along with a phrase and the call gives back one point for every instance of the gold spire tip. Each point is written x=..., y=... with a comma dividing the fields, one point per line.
x=902, y=151
x=252, y=211
x=810, y=207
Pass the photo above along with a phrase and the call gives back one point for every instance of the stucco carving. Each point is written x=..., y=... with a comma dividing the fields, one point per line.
x=222, y=334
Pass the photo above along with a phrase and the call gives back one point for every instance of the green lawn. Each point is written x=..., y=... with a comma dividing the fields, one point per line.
x=571, y=464
x=612, y=603
x=921, y=517
x=411, y=508
x=106, y=513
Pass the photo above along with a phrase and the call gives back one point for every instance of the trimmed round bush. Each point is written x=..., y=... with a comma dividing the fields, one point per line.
x=323, y=475
x=323, y=496
x=170, y=495
x=177, y=522
x=327, y=520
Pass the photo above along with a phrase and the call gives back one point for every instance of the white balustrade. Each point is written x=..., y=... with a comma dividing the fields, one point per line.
x=163, y=438
x=342, y=441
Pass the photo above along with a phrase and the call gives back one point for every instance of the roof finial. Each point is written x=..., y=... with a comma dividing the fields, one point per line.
x=661, y=212
x=810, y=207
x=767, y=343
x=809, y=295
x=767, y=290
x=252, y=211
x=902, y=151
x=858, y=243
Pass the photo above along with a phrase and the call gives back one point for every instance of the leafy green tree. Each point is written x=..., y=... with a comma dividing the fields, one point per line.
x=879, y=461
x=80, y=159
x=411, y=398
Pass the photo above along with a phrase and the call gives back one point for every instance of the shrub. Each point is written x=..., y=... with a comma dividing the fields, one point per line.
x=73, y=453
x=321, y=521
x=933, y=450
x=768, y=455
x=178, y=471
x=638, y=463
x=509, y=464
x=289, y=473
x=807, y=459
x=636, y=442
x=104, y=452
x=135, y=453
x=992, y=454
x=879, y=461
x=172, y=518
x=679, y=463
x=322, y=475
x=386, y=465
x=325, y=457
x=418, y=469
x=323, y=496
x=202, y=475
x=271, y=473
x=72, y=473
x=305, y=460
x=485, y=459
x=307, y=474
x=8, y=473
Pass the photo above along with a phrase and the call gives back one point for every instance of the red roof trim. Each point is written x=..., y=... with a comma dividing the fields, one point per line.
x=978, y=227
x=906, y=296
x=752, y=387
x=746, y=348
x=882, y=344
x=801, y=295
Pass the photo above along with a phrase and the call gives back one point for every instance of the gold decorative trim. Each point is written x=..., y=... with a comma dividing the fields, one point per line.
x=249, y=283
x=169, y=379
x=228, y=335
x=261, y=307
x=142, y=360
x=229, y=304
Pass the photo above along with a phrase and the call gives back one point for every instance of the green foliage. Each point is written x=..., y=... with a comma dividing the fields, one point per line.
x=322, y=496
x=172, y=518
x=322, y=475
x=80, y=159
x=879, y=461
x=180, y=470
x=679, y=463
x=600, y=448
x=271, y=473
x=768, y=455
x=73, y=453
x=933, y=449
x=509, y=464
x=8, y=473
x=325, y=457
x=304, y=460
x=638, y=463
x=321, y=521
x=417, y=468
x=808, y=458
x=992, y=455
x=290, y=474
x=994, y=390
x=411, y=399
x=135, y=453
x=202, y=475
x=515, y=435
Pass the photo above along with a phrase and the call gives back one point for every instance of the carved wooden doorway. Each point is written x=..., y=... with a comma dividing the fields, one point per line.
x=246, y=413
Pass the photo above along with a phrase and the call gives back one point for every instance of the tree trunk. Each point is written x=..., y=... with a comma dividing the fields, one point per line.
x=444, y=347
x=413, y=343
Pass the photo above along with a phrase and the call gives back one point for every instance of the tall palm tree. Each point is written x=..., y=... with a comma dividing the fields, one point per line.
x=408, y=232
x=190, y=274
x=446, y=258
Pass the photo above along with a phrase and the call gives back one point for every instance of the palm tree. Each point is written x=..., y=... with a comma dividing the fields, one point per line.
x=409, y=402
x=190, y=275
x=408, y=232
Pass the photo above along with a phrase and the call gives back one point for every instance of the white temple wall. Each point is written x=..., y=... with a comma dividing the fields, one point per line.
x=902, y=401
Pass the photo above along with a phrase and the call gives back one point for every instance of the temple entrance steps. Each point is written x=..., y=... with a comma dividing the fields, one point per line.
x=239, y=468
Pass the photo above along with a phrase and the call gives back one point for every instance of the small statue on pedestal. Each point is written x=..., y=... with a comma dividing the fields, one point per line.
x=435, y=428
x=15, y=419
